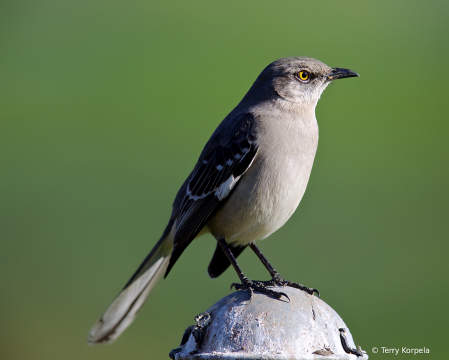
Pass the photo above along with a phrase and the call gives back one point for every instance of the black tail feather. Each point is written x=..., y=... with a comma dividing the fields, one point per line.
x=220, y=262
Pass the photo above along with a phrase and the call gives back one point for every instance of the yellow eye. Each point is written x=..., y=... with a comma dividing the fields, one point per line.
x=303, y=75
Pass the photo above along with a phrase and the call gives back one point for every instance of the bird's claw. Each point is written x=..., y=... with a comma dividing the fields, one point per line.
x=278, y=280
x=310, y=291
x=252, y=286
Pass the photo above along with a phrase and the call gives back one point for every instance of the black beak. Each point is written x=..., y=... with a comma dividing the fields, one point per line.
x=338, y=73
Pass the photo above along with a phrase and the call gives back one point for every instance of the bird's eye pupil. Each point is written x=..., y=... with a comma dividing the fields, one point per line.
x=304, y=75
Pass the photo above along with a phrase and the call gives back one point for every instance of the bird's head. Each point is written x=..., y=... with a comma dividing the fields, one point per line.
x=300, y=80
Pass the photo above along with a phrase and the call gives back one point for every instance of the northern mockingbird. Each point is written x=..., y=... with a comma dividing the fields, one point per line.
x=248, y=181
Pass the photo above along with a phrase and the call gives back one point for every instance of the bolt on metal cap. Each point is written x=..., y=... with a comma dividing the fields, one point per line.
x=268, y=328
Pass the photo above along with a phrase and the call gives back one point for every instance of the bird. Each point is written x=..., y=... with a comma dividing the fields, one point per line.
x=247, y=182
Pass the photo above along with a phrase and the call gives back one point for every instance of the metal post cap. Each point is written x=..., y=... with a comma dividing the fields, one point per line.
x=268, y=328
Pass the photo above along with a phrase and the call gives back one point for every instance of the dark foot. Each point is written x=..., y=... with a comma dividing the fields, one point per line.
x=261, y=286
x=280, y=281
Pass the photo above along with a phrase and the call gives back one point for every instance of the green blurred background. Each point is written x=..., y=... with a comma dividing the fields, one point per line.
x=104, y=109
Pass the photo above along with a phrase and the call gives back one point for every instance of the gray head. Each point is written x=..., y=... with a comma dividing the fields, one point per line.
x=299, y=80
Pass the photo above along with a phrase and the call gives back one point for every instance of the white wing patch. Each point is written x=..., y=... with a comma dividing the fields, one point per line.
x=225, y=188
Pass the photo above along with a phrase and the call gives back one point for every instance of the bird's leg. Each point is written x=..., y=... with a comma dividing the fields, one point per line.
x=247, y=284
x=276, y=278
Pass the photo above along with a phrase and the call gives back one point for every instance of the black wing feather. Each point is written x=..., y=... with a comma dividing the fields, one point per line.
x=204, y=193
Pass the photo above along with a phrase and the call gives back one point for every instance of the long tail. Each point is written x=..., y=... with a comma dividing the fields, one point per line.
x=121, y=313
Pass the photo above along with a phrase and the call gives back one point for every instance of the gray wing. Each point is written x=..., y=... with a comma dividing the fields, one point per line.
x=211, y=181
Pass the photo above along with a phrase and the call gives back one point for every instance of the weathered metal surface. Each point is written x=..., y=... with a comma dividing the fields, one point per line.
x=267, y=328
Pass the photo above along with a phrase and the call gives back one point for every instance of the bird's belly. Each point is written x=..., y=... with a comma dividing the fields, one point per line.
x=263, y=202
